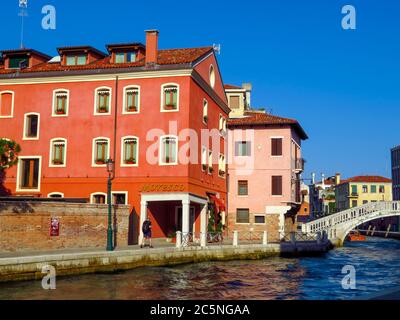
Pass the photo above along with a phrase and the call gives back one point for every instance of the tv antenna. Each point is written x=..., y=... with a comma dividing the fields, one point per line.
x=217, y=48
x=23, y=12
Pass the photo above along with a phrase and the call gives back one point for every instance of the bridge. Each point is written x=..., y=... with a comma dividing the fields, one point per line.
x=338, y=225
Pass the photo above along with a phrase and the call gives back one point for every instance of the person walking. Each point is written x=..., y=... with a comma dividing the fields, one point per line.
x=146, y=229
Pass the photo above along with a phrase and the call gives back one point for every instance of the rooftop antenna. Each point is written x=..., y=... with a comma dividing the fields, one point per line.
x=23, y=4
x=217, y=48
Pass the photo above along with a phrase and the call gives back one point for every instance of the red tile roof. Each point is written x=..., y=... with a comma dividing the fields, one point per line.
x=258, y=118
x=367, y=179
x=230, y=86
x=165, y=57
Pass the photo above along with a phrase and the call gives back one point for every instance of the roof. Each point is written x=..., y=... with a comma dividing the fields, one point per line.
x=80, y=48
x=165, y=57
x=25, y=51
x=263, y=119
x=230, y=86
x=367, y=179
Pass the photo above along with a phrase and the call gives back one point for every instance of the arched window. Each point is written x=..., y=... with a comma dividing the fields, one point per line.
x=169, y=97
x=60, y=102
x=168, y=150
x=58, y=152
x=212, y=76
x=6, y=104
x=102, y=101
x=130, y=151
x=101, y=151
x=55, y=195
x=205, y=111
x=31, y=126
x=98, y=198
x=131, y=101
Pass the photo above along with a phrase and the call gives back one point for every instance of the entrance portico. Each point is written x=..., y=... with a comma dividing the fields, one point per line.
x=182, y=204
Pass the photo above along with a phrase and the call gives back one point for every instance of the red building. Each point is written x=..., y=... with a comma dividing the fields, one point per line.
x=134, y=104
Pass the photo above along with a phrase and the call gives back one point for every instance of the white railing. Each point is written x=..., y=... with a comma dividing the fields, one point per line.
x=353, y=214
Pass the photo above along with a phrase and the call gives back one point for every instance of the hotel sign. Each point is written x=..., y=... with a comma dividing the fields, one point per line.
x=163, y=188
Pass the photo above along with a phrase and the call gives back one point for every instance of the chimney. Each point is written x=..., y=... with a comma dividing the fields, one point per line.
x=151, y=46
x=323, y=180
x=337, y=179
x=313, y=178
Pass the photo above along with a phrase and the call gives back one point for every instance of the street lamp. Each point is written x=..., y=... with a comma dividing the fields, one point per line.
x=111, y=176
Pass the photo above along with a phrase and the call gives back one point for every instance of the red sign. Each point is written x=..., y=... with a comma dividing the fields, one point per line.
x=54, y=227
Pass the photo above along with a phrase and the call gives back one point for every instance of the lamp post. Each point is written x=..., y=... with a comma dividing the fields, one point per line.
x=111, y=175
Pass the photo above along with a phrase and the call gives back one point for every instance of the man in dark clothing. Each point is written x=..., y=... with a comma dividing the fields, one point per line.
x=146, y=229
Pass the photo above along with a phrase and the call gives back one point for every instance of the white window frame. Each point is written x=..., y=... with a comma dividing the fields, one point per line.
x=120, y=192
x=96, y=101
x=126, y=88
x=98, y=194
x=54, y=194
x=53, y=111
x=177, y=97
x=24, y=137
x=18, y=188
x=204, y=159
x=260, y=215
x=160, y=153
x=12, y=103
x=222, y=124
x=270, y=150
x=205, y=108
x=123, y=149
x=51, y=165
x=222, y=164
x=210, y=162
x=94, y=165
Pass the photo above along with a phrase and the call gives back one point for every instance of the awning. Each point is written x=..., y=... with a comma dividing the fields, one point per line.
x=218, y=203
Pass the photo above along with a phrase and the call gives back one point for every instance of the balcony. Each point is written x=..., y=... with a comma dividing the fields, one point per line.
x=299, y=165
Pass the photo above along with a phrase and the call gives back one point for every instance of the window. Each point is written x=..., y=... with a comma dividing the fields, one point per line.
x=60, y=104
x=381, y=189
x=58, y=150
x=31, y=130
x=373, y=189
x=242, y=216
x=103, y=101
x=354, y=203
x=221, y=166
x=365, y=189
x=365, y=201
x=276, y=185
x=6, y=104
x=170, y=97
x=243, y=188
x=76, y=60
x=258, y=219
x=276, y=147
x=29, y=174
x=100, y=151
x=222, y=124
x=243, y=148
x=234, y=102
x=125, y=57
x=205, y=111
x=99, y=198
x=55, y=195
x=169, y=150
x=120, y=198
x=354, y=190
x=210, y=162
x=212, y=76
x=203, y=158
x=18, y=61
x=130, y=151
x=131, y=99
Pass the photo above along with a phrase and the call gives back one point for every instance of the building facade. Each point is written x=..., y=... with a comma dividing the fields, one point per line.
x=395, y=155
x=322, y=196
x=151, y=111
x=265, y=163
x=360, y=190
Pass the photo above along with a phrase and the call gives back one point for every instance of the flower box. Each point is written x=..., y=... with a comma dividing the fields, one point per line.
x=210, y=170
x=57, y=162
x=100, y=162
x=130, y=161
x=221, y=173
x=60, y=112
x=132, y=109
x=102, y=109
x=170, y=107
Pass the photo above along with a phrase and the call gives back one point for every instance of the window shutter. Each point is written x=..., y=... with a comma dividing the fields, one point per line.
x=248, y=148
x=237, y=146
x=279, y=146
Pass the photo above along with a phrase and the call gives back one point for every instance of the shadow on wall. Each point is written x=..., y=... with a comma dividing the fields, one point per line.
x=133, y=228
x=3, y=190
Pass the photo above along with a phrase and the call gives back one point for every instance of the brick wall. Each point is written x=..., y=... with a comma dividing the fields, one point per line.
x=25, y=226
x=271, y=226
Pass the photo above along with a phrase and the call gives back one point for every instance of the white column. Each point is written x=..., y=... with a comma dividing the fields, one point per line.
x=178, y=239
x=235, y=238
x=143, y=217
x=203, y=226
x=265, y=238
x=185, y=220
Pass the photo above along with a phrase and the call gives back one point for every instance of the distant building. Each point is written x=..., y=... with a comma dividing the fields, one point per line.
x=360, y=190
x=322, y=196
x=396, y=173
x=238, y=99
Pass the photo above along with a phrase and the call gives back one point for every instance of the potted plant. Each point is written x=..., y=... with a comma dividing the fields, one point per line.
x=131, y=161
x=60, y=111
x=170, y=107
x=204, y=166
x=205, y=119
x=132, y=108
x=57, y=162
x=102, y=109
x=210, y=169
x=221, y=173
x=100, y=161
x=171, y=237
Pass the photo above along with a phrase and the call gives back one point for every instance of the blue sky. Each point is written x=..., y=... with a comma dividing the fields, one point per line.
x=343, y=86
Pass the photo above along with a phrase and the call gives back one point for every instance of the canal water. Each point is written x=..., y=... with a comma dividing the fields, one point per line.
x=377, y=265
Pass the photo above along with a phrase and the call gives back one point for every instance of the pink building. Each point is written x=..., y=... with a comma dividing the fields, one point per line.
x=265, y=164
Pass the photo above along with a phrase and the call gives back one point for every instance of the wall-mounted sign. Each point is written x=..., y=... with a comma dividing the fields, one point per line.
x=163, y=188
x=54, y=227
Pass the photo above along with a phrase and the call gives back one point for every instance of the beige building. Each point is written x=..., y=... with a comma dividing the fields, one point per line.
x=360, y=190
x=238, y=99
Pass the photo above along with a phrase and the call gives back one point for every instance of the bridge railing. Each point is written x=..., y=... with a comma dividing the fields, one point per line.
x=350, y=215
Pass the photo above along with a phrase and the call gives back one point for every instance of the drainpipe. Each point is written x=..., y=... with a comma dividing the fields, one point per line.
x=115, y=118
